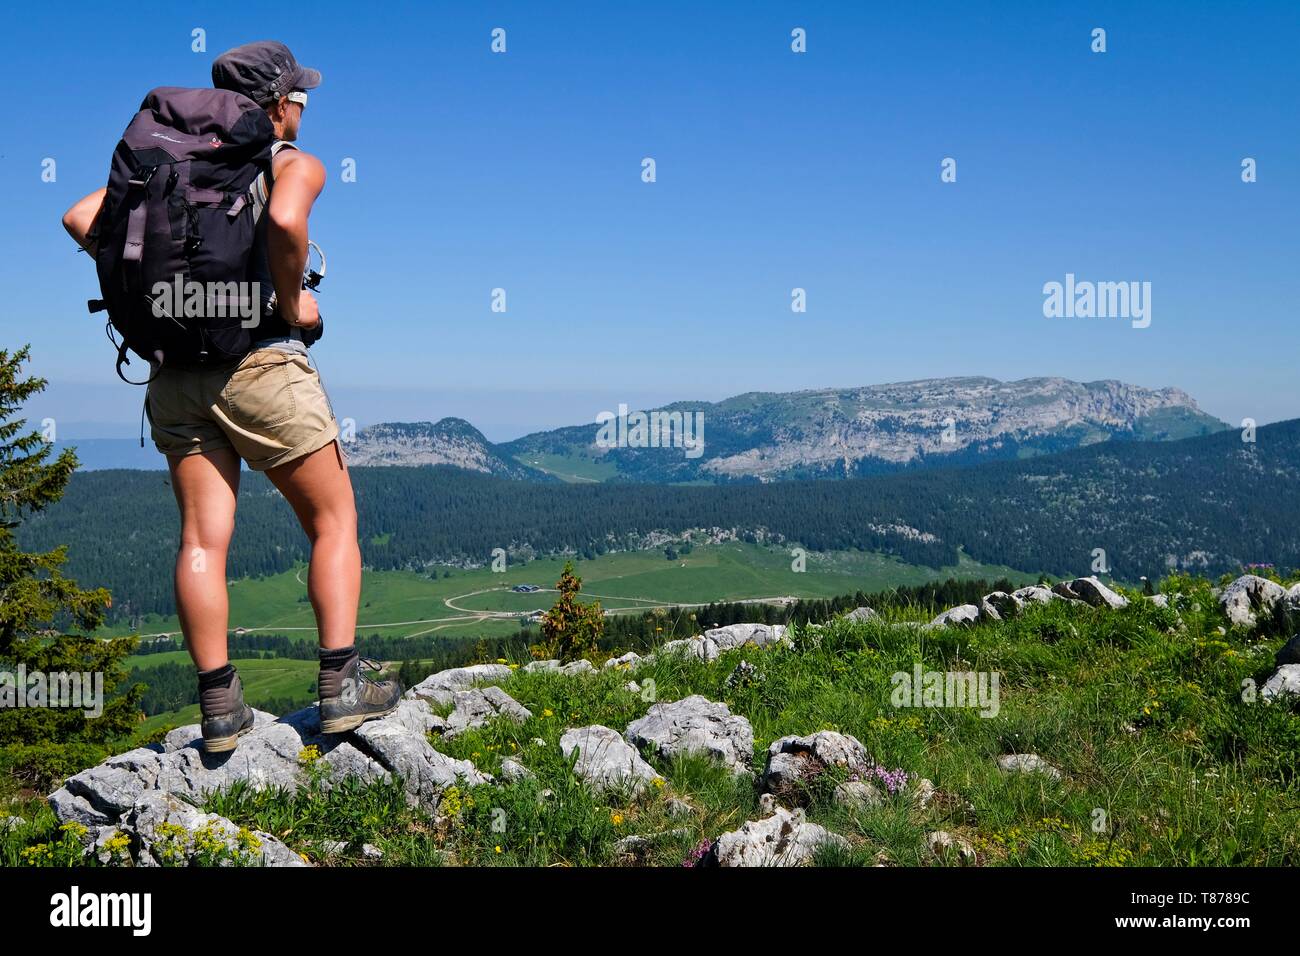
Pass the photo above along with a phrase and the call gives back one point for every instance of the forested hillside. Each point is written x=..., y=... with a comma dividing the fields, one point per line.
x=1208, y=504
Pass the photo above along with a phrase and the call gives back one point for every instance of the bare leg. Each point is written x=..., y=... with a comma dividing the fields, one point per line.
x=320, y=492
x=206, y=488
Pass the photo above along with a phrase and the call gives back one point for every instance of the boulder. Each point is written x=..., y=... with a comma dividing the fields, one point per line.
x=605, y=760
x=740, y=635
x=513, y=771
x=1028, y=763
x=425, y=772
x=628, y=660
x=166, y=829
x=1284, y=683
x=1091, y=591
x=700, y=647
x=474, y=708
x=695, y=725
x=783, y=839
x=998, y=606
x=1249, y=596
x=794, y=762
x=458, y=678
x=963, y=615
x=1034, y=594
x=861, y=614
x=533, y=667
x=578, y=667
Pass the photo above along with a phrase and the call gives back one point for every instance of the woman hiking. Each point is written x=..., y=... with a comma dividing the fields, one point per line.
x=268, y=409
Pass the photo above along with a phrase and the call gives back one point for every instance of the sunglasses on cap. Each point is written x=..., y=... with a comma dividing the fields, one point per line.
x=297, y=96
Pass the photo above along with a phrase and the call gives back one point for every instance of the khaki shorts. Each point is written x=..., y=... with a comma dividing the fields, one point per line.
x=271, y=409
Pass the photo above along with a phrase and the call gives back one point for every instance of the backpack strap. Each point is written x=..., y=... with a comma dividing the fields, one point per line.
x=259, y=193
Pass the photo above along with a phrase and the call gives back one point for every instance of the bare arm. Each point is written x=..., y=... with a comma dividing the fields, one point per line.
x=299, y=178
x=81, y=217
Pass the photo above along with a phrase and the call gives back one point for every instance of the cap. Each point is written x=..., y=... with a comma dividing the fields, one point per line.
x=263, y=71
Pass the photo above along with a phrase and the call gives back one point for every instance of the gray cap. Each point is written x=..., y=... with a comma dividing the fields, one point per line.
x=263, y=71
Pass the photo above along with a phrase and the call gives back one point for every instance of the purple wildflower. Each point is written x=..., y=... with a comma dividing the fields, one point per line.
x=700, y=852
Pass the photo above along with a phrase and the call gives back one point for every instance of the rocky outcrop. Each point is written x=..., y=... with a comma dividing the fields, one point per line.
x=165, y=830
x=861, y=614
x=473, y=708
x=1028, y=763
x=1034, y=594
x=605, y=760
x=785, y=838
x=695, y=725
x=1092, y=591
x=1249, y=596
x=963, y=615
x=793, y=763
x=155, y=784
x=712, y=643
x=998, y=606
x=1285, y=683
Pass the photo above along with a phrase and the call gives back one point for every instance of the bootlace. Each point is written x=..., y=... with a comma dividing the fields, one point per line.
x=371, y=663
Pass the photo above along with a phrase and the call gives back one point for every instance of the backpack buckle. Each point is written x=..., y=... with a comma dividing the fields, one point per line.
x=141, y=177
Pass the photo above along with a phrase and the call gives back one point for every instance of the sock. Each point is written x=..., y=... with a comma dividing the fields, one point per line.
x=220, y=677
x=338, y=658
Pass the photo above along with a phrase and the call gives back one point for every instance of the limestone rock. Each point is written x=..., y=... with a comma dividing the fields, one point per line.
x=605, y=760
x=861, y=614
x=963, y=615
x=1028, y=763
x=1248, y=596
x=1284, y=683
x=794, y=762
x=163, y=829
x=1092, y=591
x=474, y=708
x=425, y=772
x=695, y=725
x=1034, y=594
x=783, y=839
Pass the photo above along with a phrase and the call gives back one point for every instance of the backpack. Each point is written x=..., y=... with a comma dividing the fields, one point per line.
x=178, y=225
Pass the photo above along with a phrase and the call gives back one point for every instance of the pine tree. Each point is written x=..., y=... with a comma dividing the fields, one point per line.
x=39, y=745
x=570, y=629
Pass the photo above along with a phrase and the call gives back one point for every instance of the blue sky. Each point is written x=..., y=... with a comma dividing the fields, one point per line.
x=775, y=170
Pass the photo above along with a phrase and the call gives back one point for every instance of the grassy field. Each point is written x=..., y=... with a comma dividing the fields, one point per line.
x=1164, y=760
x=401, y=603
x=406, y=603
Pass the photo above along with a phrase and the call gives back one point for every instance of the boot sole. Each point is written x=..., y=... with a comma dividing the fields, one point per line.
x=220, y=745
x=341, y=725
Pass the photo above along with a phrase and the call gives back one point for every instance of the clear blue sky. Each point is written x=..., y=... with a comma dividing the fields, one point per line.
x=775, y=170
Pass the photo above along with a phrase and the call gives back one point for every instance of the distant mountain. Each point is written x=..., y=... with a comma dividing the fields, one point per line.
x=836, y=433
x=773, y=436
x=449, y=441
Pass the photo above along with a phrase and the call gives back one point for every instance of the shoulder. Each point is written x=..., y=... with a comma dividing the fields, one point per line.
x=296, y=163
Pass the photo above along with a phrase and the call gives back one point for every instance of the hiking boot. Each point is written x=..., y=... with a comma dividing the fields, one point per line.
x=349, y=697
x=226, y=717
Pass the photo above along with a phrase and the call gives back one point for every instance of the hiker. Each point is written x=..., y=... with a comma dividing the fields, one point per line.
x=222, y=390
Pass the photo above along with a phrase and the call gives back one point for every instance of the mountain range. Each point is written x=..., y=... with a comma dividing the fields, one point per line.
x=820, y=433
